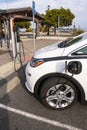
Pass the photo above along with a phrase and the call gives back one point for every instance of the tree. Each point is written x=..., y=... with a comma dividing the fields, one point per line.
x=51, y=18
x=66, y=17
x=25, y=24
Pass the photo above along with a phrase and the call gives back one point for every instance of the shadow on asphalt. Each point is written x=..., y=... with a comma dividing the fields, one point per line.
x=3, y=52
x=22, y=77
x=3, y=81
x=4, y=99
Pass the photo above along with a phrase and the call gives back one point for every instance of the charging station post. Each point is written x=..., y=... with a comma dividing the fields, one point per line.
x=12, y=36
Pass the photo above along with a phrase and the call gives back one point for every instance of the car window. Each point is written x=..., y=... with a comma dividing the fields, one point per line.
x=69, y=42
x=72, y=41
x=82, y=51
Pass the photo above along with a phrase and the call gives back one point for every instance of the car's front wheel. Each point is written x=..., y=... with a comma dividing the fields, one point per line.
x=58, y=93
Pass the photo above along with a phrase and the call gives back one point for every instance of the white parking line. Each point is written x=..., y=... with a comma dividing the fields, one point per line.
x=38, y=118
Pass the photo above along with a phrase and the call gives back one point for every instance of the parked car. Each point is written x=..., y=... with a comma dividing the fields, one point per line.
x=22, y=30
x=57, y=74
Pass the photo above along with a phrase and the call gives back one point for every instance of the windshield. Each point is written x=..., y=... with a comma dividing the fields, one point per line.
x=72, y=41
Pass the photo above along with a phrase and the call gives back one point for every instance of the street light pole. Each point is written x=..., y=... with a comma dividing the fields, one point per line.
x=48, y=7
x=33, y=12
x=34, y=34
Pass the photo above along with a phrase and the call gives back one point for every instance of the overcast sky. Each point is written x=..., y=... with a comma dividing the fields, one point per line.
x=77, y=7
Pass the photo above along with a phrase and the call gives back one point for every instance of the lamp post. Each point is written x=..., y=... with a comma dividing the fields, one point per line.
x=48, y=7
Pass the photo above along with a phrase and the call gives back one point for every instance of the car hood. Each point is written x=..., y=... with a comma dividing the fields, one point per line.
x=49, y=51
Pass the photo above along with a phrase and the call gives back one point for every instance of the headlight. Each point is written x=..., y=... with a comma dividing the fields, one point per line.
x=36, y=62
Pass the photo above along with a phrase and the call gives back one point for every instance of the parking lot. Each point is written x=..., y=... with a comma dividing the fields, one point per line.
x=19, y=110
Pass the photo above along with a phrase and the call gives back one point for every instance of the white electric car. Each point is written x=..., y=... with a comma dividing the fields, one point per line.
x=57, y=73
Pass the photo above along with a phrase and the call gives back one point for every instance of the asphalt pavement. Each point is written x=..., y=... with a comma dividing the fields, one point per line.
x=19, y=110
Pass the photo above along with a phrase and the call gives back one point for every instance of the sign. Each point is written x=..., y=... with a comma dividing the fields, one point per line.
x=33, y=12
x=33, y=8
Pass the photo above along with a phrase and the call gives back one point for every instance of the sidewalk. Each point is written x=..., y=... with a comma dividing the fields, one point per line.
x=7, y=63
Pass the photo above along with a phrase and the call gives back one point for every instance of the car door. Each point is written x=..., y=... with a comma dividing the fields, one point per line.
x=80, y=55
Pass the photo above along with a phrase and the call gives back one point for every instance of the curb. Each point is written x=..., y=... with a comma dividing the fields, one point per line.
x=52, y=38
x=9, y=86
x=7, y=69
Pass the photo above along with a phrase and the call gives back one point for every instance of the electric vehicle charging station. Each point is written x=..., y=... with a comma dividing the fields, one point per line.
x=14, y=35
x=15, y=44
x=8, y=19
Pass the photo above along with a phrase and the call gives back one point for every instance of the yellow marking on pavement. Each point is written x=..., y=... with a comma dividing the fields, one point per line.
x=8, y=87
x=6, y=69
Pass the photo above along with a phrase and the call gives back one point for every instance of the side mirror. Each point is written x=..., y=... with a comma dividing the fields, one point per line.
x=74, y=67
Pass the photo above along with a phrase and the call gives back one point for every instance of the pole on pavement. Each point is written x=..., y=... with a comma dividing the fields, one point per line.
x=33, y=12
x=58, y=25
x=34, y=34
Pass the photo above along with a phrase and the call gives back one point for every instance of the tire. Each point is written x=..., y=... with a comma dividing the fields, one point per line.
x=58, y=93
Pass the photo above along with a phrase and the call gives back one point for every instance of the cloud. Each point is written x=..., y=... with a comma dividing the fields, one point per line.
x=78, y=7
